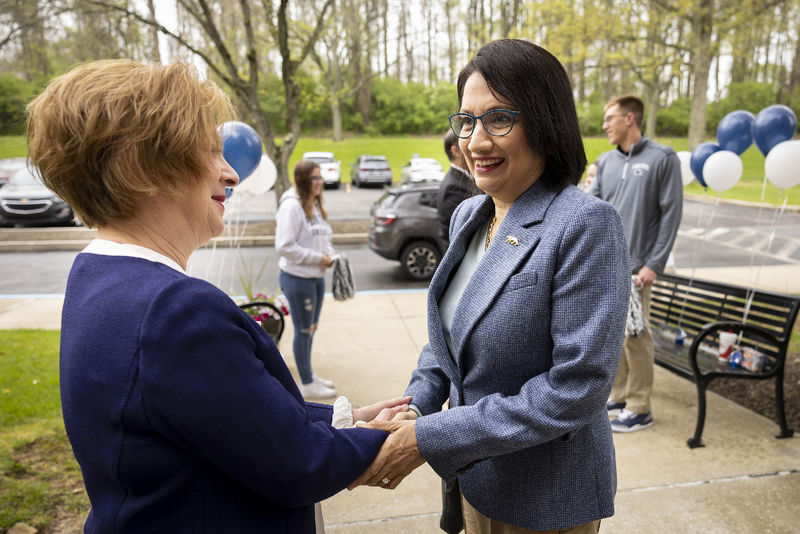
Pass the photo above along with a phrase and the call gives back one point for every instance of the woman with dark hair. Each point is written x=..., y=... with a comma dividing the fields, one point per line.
x=303, y=240
x=526, y=314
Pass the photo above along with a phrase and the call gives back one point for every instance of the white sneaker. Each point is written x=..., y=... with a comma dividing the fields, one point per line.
x=324, y=381
x=315, y=390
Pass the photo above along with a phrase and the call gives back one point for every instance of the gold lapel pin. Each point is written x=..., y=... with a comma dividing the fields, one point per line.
x=513, y=240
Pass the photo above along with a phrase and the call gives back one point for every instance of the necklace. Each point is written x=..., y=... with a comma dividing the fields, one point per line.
x=489, y=233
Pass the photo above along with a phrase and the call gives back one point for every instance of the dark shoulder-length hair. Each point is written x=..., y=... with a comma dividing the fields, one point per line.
x=302, y=184
x=536, y=83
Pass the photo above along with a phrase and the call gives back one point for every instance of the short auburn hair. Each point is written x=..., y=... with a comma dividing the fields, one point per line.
x=629, y=104
x=108, y=133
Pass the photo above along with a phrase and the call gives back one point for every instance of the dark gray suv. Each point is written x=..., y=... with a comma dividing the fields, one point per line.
x=403, y=227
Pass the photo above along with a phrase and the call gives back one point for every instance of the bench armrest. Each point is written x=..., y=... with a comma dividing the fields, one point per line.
x=712, y=328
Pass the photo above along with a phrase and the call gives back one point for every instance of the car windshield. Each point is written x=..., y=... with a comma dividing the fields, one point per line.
x=24, y=177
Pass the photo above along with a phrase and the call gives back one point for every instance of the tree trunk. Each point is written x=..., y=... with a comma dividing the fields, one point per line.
x=429, y=34
x=449, y=7
x=650, y=99
x=794, y=77
x=701, y=62
x=156, y=52
x=385, y=6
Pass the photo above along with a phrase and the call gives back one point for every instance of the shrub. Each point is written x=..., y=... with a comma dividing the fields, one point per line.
x=14, y=94
x=590, y=117
x=750, y=96
x=673, y=120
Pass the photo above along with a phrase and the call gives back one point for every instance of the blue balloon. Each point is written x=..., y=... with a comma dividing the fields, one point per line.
x=228, y=192
x=241, y=147
x=735, y=131
x=773, y=125
x=699, y=157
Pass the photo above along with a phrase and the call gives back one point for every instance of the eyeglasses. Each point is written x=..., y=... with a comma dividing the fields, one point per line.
x=316, y=178
x=608, y=119
x=496, y=122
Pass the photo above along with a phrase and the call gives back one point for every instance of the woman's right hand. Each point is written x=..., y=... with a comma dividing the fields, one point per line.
x=326, y=261
x=394, y=415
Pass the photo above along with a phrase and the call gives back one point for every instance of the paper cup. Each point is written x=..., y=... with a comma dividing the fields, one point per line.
x=726, y=342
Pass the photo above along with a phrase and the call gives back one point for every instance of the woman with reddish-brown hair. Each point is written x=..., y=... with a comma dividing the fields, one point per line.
x=179, y=408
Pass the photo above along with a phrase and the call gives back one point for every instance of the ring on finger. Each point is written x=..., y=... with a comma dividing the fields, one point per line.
x=386, y=481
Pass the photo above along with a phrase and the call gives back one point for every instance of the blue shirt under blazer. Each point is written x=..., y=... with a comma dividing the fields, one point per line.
x=182, y=414
x=536, y=342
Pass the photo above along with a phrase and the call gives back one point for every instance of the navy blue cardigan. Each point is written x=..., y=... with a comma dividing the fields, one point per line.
x=182, y=413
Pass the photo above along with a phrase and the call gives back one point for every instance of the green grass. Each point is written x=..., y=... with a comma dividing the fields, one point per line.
x=38, y=474
x=13, y=146
x=398, y=150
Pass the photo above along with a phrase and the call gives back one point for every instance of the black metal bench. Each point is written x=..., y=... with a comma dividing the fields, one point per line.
x=704, y=309
x=272, y=318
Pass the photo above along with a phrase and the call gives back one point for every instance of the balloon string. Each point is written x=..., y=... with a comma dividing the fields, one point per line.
x=753, y=276
x=694, y=252
x=778, y=213
x=237, y=242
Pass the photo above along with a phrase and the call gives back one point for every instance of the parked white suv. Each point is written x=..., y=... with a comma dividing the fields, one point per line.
x=328, y=166
x=421, y=170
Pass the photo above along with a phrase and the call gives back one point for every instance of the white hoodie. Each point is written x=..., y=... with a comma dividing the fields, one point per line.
x=301, y=243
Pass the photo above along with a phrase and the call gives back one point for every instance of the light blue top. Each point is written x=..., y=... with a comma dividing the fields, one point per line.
x=454, y=291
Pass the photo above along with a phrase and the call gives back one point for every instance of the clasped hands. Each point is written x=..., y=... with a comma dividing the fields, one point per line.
x=399, y=454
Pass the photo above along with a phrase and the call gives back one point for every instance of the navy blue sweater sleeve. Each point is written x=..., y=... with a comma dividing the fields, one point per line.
x=210, y=386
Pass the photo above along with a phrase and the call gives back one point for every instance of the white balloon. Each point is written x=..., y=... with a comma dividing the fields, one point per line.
x=722, y=170
x=782, y=166
x=686, y=167
x=262, y=179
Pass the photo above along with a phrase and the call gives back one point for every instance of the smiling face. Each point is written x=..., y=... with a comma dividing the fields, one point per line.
x=617, y=125
x=503, y=166
x=203, y=205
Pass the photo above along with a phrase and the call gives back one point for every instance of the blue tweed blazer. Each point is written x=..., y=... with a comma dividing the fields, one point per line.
x=182, y=413
x=536, y=342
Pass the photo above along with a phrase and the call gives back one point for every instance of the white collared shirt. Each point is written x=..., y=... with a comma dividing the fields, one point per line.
x=105, y=247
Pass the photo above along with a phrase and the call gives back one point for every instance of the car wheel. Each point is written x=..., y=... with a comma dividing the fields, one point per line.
x=420, y=259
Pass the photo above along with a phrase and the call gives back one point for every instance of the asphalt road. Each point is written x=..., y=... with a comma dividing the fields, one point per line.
x=726, y=235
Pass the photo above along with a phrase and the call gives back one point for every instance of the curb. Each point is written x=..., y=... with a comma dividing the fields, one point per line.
x=255, y=235
x=710, y=199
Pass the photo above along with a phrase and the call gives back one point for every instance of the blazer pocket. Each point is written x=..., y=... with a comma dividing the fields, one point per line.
x=521, y=281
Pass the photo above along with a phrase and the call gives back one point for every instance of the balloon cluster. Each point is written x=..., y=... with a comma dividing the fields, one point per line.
x=241, y=148
x=718, y=165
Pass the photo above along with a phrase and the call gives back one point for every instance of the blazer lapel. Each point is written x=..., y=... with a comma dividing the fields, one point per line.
x=450, y=261
x=514, y=241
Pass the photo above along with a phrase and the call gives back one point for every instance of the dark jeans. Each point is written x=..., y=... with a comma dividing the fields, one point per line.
x=305, y=302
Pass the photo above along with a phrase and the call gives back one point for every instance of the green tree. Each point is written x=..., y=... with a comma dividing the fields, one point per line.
x=14, y=94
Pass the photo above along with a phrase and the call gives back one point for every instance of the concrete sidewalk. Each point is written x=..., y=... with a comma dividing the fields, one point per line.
x=743, y=481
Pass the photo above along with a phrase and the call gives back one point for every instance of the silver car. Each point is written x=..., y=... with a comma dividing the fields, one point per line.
x=8, y=167
x=370, y=170
x=25, y=200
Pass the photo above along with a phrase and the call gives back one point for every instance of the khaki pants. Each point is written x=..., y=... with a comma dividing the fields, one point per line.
x=634, y=381
x=477, y=523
